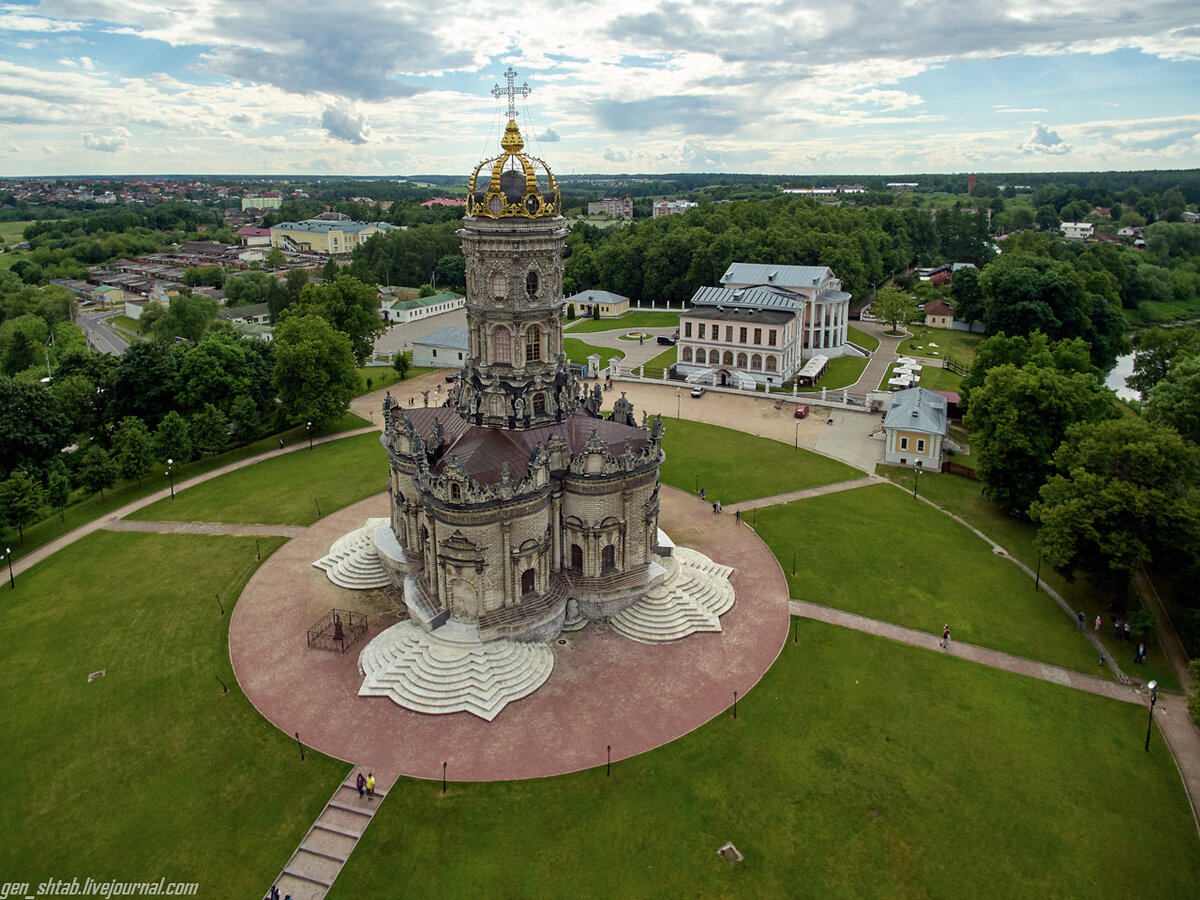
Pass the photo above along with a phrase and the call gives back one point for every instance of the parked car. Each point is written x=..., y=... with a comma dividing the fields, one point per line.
x=666, y=341
x=801, y=411
x=697, y=392
x=453, y=376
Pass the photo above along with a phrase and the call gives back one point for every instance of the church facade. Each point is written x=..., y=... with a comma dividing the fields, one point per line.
x=516, y=507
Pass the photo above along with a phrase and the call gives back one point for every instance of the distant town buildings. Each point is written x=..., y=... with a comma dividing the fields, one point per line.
x=1077, y=231
x=270, y=200
x=616, y=207
x=445, y=201
x=902, y=185
x=671, y=207
x=827, y=191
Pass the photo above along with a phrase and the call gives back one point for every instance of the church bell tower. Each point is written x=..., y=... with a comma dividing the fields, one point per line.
x=516, y=376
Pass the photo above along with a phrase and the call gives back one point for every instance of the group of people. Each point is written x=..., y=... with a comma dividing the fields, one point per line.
x=1121, y=630
x=273, y=894
x=366, y=786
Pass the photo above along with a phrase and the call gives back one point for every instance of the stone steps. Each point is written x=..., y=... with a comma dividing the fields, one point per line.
x=352, y=562
x=318, y=861
x=693, y=601
x=424, y=673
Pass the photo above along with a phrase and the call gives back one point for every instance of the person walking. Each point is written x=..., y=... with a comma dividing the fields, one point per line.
x=714, y=507
x=281, y=443
x=1097, y=623
x=945, y=641
x=370, y=786
x=703, y=493
x=361, y=784
x=718, y=507
x=1080, y=618
x=737, y=514
x=1141, y=654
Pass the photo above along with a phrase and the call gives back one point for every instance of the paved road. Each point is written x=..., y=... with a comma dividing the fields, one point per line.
x=99, y=335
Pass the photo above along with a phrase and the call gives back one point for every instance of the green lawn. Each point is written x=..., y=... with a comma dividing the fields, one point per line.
x=933, y=378
x=864, y=340
x=842, y=372
x=734, y=466
x=384, y=376
x=958, y=345
x=857, y=767
x=12, y=232
x=149, y=771
x=893, y=558
x=281, y=491
x=578, y=351
x=664, y=360
x=965, y=499
x=626, y=322
x=93, y=506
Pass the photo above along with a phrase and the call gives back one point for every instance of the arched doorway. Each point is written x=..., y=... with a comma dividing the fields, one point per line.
x=527, y=578
x=576, y=558
x=608, y=558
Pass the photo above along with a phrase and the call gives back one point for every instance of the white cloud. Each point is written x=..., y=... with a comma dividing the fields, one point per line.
x=342, y=123
x=1043, y=139
x=117, y=139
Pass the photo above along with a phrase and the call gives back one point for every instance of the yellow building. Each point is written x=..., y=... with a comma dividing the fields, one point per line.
x=327, y=236
x=610, y=305
x=914, y=429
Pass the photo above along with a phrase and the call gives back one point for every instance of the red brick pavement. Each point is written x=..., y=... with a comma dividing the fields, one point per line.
x=605, y=689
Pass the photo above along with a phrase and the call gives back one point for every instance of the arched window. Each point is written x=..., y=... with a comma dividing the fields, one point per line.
x=687, y=354
x=756, y=362
x=539, y=404
x=499, y=284
x=728, y=360
x=495, y=406
x=527, y=581
x=772, y=366
x=533, y=344
x=501, y=345
x=531, y=284
x=576, y=558
x=741, y=360
x=608, y=558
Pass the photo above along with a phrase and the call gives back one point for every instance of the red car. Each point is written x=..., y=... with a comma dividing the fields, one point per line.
x=801, y=411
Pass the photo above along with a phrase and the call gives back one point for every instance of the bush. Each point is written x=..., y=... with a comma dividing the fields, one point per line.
x=1141, y=625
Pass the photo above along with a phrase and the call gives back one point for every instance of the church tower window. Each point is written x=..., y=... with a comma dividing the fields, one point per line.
x=533, y=344
x=531, y=284
x=502, y=345
x=539, y=404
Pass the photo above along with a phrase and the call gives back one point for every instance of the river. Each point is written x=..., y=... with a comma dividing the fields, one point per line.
x=1116, y=378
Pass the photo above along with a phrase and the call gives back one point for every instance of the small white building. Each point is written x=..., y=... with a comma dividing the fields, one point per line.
x=400, y=310
x=1077, y=231
x=914, y=429
x=444, y=348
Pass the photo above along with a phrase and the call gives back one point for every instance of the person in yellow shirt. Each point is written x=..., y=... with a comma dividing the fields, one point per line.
x=370, y=786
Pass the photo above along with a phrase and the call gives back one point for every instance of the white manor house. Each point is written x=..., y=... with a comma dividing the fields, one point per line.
x=763, y=324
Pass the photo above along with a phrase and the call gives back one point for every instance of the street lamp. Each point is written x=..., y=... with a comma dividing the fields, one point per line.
x=1153, y=698
x=678, y=395
x=916, y=472
x=11, y=580
x=797, y=434
x=308, y=425
x=170, y=473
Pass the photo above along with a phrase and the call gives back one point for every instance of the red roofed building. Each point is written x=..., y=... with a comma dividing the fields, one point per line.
x=444, y=201
x=252, y=236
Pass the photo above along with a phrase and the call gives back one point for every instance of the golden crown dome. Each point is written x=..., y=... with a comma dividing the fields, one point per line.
x=514, y=184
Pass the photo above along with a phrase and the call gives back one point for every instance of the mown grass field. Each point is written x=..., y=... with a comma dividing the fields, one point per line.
x=857, y=767
x=151, y=770
x=627, y=322
x=578, y=352
x=957, y=345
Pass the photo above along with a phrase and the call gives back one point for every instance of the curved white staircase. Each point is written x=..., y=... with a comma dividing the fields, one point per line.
x=693, y=601
x=352, y=561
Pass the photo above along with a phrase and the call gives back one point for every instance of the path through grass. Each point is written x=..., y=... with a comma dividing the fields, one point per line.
x=281, y=491
x=857, y=767
x=877, y=552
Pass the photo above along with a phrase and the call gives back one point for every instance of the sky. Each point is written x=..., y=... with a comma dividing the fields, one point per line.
x=788, y=87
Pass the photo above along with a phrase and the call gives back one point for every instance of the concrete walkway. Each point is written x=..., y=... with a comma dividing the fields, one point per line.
x=820, y=490
x=240, y=530
x=1170, y=712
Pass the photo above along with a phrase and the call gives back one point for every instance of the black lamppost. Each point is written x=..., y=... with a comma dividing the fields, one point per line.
x=11, y=580
x=171, y=474
x=308, y=425
x=678, y=408
x=1153, y=699
x=916, y=472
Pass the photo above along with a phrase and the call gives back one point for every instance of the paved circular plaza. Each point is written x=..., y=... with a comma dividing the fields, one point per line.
x=605, y=689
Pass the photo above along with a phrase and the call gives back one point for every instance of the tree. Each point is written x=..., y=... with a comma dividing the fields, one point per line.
x=426, y=290
x=134, y=448
x=1065, y=356
x=351, y=306
x=144, y=383
x=451, y=271
x=402, y=363
x=1175, y=401
x=275, y=259
x=173, y=438
x=966, y=295
x=894, y=306
x=58, y=490
x=33, y=425
x=1018, y=417
x=329, y=271
x=97, y=470
x=249, y=288
x=1157, y=350
x=243, y=413
x=188, y=316
x=1125, y=494
x=277, y=303
x=209, y=430
x=570, y=312
x=21, y=499
x=314, y=369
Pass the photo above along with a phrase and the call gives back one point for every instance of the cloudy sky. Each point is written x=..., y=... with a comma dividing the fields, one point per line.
x=381, y=87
